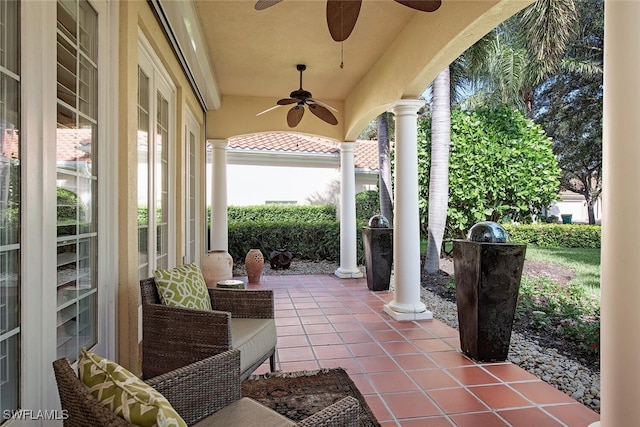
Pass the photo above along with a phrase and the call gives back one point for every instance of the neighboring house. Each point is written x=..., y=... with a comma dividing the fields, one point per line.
x=574, y=204
x=291, y=168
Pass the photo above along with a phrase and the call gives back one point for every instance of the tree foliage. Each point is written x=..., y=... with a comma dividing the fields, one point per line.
x=501, y=166
x=524, y=51
x=571, y=109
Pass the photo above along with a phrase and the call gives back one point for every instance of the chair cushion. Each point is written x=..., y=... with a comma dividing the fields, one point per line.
x=245, y=412
x=183, y=286
x=254, y=338
x=125, y=394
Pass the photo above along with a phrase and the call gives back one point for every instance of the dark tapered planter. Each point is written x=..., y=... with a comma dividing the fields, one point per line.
x=378, y=257
x=487, y=278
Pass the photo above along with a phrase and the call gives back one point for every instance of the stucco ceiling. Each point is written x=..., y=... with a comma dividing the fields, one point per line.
x=394, y=52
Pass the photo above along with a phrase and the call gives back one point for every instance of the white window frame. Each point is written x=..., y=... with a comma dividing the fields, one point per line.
x=192, y=215
x=38, y=182
x=159, y=80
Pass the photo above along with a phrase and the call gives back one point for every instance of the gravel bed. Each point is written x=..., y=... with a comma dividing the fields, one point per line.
x=565, y=374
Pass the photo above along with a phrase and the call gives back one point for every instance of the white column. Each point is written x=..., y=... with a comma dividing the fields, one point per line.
x=406, y=304
x=348, y=252
x=620, y=293
x=219, y=228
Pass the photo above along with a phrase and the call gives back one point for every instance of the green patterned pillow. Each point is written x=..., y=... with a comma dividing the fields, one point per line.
x=125, y=394
x=183, y=286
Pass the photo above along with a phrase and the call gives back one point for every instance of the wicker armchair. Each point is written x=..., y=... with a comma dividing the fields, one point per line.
x=173, y=337
x=204, y=393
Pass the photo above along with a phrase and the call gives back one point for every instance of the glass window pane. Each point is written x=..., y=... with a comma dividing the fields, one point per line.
x=10, y=141
x=76, y=193
x=66, y=71
x=9, y=161
x=87, y=87
x=162, y=181
x=143, y=174
x=191, y=230
x=10, y=22
x=88, y=30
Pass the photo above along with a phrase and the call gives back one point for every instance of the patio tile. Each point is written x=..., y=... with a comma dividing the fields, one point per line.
x=292, y=341
x=431, y=422
x=366, y=349
x=529, y=417
x=348, y=364
x=389, y=382
x=433, y=344
x=331, y=351
x=499, y=396
x=541, y=392
x=355, y=337
x=472, y=375
x=411, y=405
x=293, y=354
x=411, y=362
x=398, y=348
x=479, y=419
x=290, y=330
x=308, y=365
x=287, y=321
x=433, y=379
x=573, y=414
x=378, y=407
x=341, y=318
x=378, y=364
x=348, y=327
x=313, y=320
x=324, y=339
x=416, y=334
x=386, y=336
x=509, y=372
x=456, y=400
x=449, y=359
x=318, y=329
x=411, y=373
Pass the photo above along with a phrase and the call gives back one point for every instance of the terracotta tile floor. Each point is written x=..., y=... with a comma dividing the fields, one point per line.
x=411, y=373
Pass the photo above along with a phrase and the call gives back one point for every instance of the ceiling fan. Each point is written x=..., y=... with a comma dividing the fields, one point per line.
x=343, y=14
x=301, y=97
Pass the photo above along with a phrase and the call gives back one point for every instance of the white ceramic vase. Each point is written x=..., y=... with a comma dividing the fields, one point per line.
x=217, y=265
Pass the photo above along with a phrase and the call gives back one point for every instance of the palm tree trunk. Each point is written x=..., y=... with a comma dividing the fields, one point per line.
x=439, y=174
x=384, y=164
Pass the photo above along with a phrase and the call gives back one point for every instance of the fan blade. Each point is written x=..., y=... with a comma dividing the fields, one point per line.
x=286, y=101
x=341, y=17
x=268, y=109
x=323, y=113
x=263, y=4
x=294, y=116
x=322, y=103
x=422, y=5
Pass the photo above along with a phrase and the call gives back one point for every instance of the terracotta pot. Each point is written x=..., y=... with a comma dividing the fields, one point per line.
x=253, y=262
x=216, y=266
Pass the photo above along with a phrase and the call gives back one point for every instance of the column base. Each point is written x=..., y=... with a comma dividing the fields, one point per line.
x=348, y=273
x=407, y=312
x=596, y=424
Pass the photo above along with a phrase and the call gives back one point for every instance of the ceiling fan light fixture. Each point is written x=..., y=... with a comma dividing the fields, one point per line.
x=303, y=98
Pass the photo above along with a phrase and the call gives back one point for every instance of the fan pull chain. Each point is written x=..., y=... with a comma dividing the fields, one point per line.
x=342, y=54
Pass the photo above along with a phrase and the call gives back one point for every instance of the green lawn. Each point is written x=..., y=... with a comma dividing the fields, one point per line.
x=585, y=262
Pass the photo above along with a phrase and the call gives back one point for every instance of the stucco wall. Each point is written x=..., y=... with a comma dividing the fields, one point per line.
x=137, y=17
x=260, y=184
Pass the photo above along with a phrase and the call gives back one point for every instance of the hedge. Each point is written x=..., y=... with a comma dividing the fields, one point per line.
x=282, y=213
x=309, y=241
x=555, y=235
